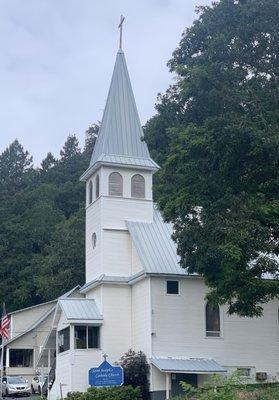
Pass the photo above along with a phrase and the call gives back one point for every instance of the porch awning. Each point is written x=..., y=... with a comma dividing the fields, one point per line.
x=80, y=309
x=187, y=365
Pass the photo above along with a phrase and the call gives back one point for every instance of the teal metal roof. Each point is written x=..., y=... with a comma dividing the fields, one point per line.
x=80, y=309
x=187, y=365
x=156, y=249
x=120, y=136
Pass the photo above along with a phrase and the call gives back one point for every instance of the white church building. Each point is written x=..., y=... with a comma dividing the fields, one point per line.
x=136, y=295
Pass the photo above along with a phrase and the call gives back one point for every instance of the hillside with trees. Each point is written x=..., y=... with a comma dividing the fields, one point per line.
x=42, y=222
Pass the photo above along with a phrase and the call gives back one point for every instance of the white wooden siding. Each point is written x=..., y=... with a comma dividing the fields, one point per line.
x=245, y=341
x=141, y=317
x=116, y=328
x=117, y=253
x=93, y=256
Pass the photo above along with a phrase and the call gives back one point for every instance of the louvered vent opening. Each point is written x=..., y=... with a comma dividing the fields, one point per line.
x=90, y=192
x=138, y=186
x=115, y=184
x=97, y=186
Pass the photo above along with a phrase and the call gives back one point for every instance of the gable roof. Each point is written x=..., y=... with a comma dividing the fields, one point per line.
x=156, y=249
x=80, y=309
x=120, y=136
x=33, y=326
x=43, y=317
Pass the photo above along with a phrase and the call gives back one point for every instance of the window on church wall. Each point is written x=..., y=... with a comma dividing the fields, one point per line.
x=21, y=358
x=172, y=287
x=64, y=340
x=90, y=192
x=212, y=316
x=94, y=240
x=86, y=337
x=97, y=183
x=115, y=184
x=138, y=186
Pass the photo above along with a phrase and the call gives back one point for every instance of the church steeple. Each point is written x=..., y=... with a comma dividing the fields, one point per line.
x=120, y=136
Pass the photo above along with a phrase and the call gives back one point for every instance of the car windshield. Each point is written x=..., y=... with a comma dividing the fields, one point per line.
x=15, y=380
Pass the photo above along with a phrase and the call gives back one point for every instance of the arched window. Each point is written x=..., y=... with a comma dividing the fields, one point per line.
x=212, y=316
x=97, y=186
x=90, y=192
x=138, y=186
x=115, y=184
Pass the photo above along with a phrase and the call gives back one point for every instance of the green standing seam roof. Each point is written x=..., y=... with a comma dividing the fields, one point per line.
x=156, y=249
x=187, y=365
x=120, y=138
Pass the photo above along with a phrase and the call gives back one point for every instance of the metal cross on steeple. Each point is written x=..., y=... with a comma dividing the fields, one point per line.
x=120, y=27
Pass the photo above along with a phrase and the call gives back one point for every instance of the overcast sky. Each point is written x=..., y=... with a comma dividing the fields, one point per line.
x=57, y=57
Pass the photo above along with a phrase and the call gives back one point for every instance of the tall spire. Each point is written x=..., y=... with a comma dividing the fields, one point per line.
x=120, y=136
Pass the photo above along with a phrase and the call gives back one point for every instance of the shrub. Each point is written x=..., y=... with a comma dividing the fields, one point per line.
x=113, y=393
x=220, y=388
x=136, y=370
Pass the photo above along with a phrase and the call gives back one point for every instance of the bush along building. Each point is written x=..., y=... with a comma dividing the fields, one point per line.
x=136, y=295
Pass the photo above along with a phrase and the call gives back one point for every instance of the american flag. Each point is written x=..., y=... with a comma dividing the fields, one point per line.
x=5, y=322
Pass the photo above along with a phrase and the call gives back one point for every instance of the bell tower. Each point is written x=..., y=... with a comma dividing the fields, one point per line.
x=118, y=181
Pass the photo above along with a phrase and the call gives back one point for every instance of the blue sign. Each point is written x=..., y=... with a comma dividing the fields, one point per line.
x=106, y=375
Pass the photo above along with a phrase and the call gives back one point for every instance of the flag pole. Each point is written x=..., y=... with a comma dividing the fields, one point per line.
x=2, y=368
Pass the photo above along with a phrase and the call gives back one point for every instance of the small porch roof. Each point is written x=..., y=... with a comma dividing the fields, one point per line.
x=80, y=309
x=187, y=365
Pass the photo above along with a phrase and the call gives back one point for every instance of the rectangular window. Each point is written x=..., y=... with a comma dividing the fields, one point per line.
x=93, y=337
x=172, y=287
x=87, y=337
x=21, y=358
x=64, y=340
x=80, y=337
x=244, y=372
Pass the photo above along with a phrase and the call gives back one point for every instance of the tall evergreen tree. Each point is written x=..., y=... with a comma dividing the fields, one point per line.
x=14, y=164
x=48, y=162
x=70, y=148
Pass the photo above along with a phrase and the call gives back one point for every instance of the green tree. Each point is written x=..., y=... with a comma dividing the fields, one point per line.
x=48, y=162
x=91, y=135
x=15, y=163
x=70, y=148
x=136, y=371
x=41, y=225
x=217, y=127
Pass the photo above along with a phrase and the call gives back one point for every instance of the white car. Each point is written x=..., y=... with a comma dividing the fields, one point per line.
x=37, y=384
x=15, y=386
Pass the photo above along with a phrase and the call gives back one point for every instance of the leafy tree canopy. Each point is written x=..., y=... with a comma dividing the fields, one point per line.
x=216, y=137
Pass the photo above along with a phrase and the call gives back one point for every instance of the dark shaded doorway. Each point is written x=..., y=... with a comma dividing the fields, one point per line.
x=176, y=388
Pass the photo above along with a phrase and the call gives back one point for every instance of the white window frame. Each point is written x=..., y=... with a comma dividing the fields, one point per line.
x=221, y=336
x=166, y=287
x=88, y=348
x=121, y=184
x=144, y=187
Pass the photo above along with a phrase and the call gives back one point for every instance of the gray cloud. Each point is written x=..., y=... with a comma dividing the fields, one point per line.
x=57, y=58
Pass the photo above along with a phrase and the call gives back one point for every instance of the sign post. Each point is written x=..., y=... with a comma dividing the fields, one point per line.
x=106, y=375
